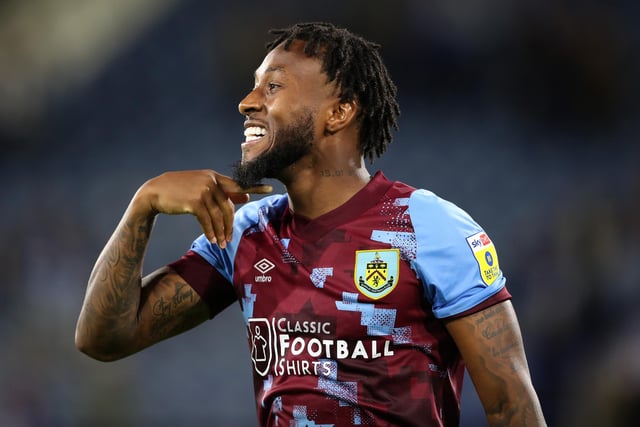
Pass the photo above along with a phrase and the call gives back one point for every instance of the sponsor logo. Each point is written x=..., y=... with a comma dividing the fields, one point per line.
x=485, y=254
x=263, y=266
x=261, y=348
x=376, y=272
x=282, y=346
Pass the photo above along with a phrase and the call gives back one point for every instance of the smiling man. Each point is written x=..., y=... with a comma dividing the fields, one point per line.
x=364, y=298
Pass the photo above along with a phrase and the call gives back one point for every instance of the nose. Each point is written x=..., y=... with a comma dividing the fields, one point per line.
x=252, y=102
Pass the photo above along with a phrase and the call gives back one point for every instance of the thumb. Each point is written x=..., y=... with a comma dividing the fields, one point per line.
x=259, y=189
x=231, y=186
x=243, y=195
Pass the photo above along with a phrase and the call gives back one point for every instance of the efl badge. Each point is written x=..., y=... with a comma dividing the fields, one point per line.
x=485, y=254
x=376, y=272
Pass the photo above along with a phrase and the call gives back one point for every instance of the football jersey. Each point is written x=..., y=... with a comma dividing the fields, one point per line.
x=344, y=312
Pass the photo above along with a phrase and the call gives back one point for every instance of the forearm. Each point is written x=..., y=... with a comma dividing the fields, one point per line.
x=109, y=313
x=521, y=410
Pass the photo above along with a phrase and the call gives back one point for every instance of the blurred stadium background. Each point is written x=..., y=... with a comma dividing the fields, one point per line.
x=524, y=113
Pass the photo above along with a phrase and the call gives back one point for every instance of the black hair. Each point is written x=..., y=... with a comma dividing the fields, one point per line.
x=359, y=72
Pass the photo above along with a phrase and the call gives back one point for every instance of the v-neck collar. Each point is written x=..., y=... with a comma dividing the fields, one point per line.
x=312, y=229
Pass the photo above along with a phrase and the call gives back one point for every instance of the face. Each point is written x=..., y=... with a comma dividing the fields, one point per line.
x=293, y=143
x=283, y=113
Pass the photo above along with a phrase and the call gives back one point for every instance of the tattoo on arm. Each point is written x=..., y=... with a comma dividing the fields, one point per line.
x=498, y=333
x=113, y=293
x=167, y=313
x=498, y=366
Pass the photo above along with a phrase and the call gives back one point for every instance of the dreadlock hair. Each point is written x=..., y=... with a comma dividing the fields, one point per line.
x=360, y=74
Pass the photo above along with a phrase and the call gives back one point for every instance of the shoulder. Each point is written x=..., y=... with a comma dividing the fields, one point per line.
x=251, y=213
x=438, y=217
x=429, y=213
x=456, y=259
x=431, y=204
x=255, y=216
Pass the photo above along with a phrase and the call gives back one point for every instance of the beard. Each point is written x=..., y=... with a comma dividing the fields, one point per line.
x=291, y=144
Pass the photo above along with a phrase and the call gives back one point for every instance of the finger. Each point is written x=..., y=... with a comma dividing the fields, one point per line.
x=259, y=189
x=231, y=186
x=204, y=218
x=243, y=196
x=222, y=212
x=238, y=198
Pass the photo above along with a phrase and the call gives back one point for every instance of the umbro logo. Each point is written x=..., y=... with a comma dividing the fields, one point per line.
x=263, y=266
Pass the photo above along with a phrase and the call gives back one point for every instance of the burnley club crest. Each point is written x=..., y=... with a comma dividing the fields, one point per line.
x=376, y=272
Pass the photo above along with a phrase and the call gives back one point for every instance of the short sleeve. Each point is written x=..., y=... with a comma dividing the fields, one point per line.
x=209, y=269
x=208, y=283
x=455, y=259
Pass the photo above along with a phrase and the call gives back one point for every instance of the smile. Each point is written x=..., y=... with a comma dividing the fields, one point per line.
x=254, y=133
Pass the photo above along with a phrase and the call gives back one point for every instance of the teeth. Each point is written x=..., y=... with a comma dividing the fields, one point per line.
x=254, y=132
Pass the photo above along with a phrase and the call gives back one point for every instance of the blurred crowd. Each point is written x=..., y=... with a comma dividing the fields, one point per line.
x=523, y=113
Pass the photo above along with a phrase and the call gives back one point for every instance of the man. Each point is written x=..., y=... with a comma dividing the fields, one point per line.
x=361, y=296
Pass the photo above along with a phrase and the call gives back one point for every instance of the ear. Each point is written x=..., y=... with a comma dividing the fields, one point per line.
x=342, y=114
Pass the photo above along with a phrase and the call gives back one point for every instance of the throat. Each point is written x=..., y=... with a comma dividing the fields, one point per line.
x=326, y=191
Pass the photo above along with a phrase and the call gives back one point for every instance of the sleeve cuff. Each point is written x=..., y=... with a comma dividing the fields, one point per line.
x=502, y=295
x=214, y=289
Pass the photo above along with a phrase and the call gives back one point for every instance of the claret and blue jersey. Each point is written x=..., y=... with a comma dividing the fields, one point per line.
x=344, y=312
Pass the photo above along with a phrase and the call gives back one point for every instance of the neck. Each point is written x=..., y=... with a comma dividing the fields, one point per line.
x=316, y=190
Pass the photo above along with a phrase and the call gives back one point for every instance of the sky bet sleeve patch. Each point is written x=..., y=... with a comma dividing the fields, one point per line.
x=486, y=256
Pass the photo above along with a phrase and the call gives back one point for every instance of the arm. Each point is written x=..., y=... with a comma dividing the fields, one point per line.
x=123, y=313
x=491, y=346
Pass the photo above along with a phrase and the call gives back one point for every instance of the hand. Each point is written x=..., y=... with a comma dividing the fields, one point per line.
x=206, y=194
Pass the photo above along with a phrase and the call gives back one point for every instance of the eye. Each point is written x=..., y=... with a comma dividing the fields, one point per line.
x=273, y=86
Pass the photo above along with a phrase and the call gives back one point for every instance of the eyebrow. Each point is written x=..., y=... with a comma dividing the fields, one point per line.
x=271, y=69
x=274, y=68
